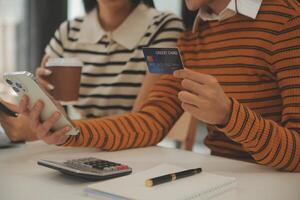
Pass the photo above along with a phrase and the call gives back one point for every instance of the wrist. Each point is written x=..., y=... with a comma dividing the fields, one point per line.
x=227, y=113
x=14, y=137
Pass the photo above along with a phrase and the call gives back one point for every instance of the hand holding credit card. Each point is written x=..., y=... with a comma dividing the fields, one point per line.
x=163, y=60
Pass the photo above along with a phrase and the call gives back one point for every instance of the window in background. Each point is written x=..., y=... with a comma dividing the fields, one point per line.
x=11, y=15
x=169, y=5
x=26, y=27
x=75, y=7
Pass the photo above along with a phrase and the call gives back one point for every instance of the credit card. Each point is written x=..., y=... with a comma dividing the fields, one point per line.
x=163, y=60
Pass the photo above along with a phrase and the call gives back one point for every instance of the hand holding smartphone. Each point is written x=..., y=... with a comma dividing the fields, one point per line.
x=13, y=126
x=23, y=83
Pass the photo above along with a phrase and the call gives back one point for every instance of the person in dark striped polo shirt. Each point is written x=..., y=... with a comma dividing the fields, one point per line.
x=241, y=77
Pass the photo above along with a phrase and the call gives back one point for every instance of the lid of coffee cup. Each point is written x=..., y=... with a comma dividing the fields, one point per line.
x=68, y=62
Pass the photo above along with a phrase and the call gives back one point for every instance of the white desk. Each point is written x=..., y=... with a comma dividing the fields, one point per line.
x=22, y=178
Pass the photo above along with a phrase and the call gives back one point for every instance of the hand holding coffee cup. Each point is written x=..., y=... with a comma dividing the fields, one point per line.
x=64, y=76
x=42, y=72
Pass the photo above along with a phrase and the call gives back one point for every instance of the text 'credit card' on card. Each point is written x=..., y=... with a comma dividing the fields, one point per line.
x=163, y=60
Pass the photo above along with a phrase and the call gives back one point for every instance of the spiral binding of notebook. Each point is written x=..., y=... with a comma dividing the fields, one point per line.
x=214, y=191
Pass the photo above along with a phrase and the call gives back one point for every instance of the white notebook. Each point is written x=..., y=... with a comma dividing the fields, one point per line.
x=201, y=186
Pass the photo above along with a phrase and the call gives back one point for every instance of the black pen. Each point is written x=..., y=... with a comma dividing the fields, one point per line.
x=171, y=177
x=7, y=111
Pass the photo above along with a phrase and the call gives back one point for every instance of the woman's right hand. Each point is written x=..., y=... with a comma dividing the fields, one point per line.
x=42, y=72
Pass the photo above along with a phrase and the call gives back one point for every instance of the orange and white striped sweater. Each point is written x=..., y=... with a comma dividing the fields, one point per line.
x=257, y=62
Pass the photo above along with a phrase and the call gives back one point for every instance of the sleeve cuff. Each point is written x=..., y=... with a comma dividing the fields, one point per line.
x=230, y=116
x=243, y=124
x=234, y=121
x=71, y=138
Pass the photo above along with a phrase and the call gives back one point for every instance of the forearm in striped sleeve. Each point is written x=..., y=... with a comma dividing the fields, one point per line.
x=144, y=128
x=270, y=143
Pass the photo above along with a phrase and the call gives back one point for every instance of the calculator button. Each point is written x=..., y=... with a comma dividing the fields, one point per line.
x=89, y=166
x=9, y=82
x=109, y=169
x=126, y=167
x=122, y=167
x=98, y=167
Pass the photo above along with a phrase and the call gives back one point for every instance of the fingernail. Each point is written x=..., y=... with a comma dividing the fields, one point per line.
x=51, y=87
x=39, y=104
x=175, y=73
x=180, y=94
x=57, y=114
x=48, y=72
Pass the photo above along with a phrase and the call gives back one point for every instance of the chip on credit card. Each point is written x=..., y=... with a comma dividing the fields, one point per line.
x=163, y=60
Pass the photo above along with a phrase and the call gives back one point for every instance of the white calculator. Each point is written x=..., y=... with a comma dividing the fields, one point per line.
x=90, y=168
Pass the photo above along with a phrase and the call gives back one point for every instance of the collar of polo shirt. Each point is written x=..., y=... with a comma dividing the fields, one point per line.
x=249, y=8
x=128, y=34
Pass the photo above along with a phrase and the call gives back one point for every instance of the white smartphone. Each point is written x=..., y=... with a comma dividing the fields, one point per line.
x=25, y=83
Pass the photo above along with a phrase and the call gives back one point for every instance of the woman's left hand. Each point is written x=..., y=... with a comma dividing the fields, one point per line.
x=203, y=97
x=43, y=129
x=16, y=128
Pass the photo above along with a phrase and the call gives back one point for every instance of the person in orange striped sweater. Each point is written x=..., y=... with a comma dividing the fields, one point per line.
x=241, y=77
